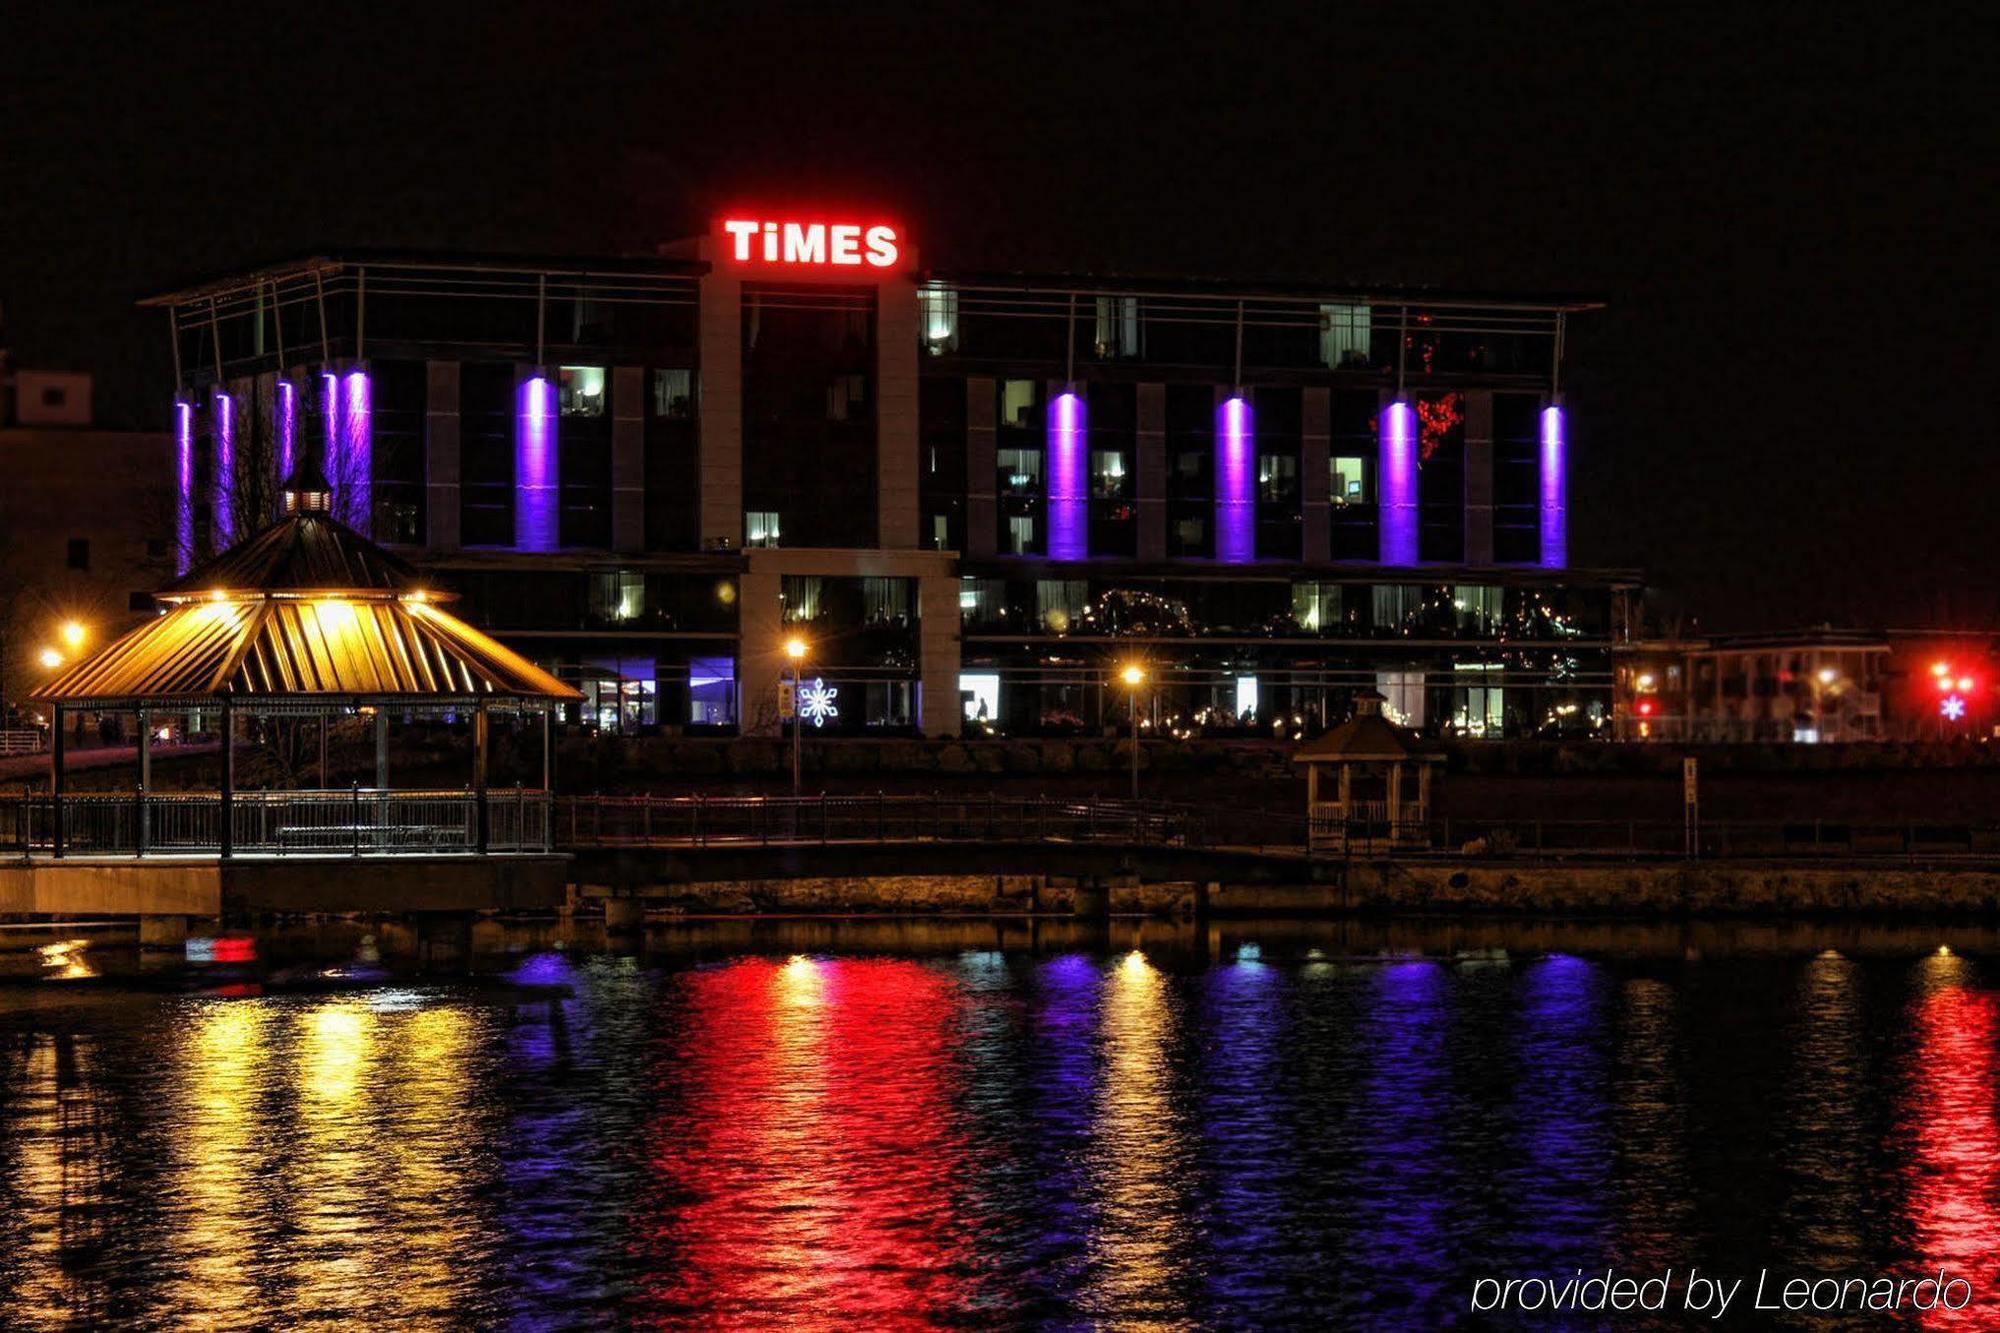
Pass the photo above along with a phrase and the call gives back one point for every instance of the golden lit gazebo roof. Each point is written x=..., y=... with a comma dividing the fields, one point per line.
x=306, y=607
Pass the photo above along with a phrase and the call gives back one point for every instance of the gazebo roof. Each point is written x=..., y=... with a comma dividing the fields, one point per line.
x=1367, y=737
x=305, y=607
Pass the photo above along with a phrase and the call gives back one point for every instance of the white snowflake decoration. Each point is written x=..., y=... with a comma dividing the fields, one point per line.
x=1953, y=708
x=816, y=702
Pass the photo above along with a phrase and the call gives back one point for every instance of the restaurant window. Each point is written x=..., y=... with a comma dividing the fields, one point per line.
x=673, y=394
x=621, y=694
x=1349, y=479
x=938, y=305
x=582, y=391
x=1343, y=336
x=760, y=527
x=712, y=691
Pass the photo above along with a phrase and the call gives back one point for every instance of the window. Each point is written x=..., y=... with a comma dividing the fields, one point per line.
x=887, y=601
x=1277, y=478
x=673, y=394
x=712, y=691
x=1117, y=326
x=1316, y=606
x=1478, y=607
x=1017, y=402
x=760, y=527
x=979, y=695
x=1020, y=471
x=582, y=391
x=1108, y=477
x=1343, y=335
x=982, y=601
x=941, y=532
x=847, y=398
x=1020, y=534
x=1349, y=480
x=1191, y=534
x=1060, y=604
x=55, y=396
x=1398, y=606
x=1246, y=698
x=1402, y=696
x=618, y=597
x=802, y=597
x=1480, y=709
x=138, y=601
x=79, y=553
x=620, y=694
x=938, y=305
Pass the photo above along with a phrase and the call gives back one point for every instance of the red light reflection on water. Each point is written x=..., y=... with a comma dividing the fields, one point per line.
x=1955, y=1145
x=809, y=1175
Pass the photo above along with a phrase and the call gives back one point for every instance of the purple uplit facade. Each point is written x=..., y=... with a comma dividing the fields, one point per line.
x=287, y=422
x=535, y=483
x=1555, y=488
x=1235, y=483
x=183, y=485
x=222, y=488
x=1068, y=494
x=1398, y=490
x=354, y=481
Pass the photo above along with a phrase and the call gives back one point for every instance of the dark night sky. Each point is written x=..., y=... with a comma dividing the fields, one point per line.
x=1786, y=415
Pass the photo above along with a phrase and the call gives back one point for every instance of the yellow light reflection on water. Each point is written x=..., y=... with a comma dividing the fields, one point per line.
x=65, y=960
x=223, y=1163
x=1136, y=1151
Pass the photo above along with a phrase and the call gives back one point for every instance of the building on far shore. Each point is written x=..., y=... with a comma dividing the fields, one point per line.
x=974, y=496
x=1810, y=686
x=85, y=527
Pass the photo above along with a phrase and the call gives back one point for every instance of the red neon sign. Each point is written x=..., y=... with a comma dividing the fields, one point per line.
x=812, y=244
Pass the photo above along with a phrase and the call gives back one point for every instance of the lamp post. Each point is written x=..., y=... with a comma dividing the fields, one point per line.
x=795, y=650
x=1134, y=676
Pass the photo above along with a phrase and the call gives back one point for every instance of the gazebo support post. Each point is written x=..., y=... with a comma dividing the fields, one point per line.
x=228, y=837
x=141, y=822
x=322, y=750
x=481, y=742
x=548, y=750
x=57, y=748
x=381, y=749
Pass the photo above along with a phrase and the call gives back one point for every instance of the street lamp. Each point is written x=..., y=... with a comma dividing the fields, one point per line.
x=73, y=633
x=50, y=659
x=795, y=650
x=1134, y=676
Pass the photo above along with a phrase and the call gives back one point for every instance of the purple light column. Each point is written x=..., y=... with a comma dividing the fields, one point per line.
x=288, y=429
x=1235, y=483
x=183, y=485
x=1555, y=488
x=1396, y=492
x=222, y=489
x=356, y=481
x=1069, y=497
x=535, y=491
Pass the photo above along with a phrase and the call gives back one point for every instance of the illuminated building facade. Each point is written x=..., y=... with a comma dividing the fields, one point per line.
x=974, y=495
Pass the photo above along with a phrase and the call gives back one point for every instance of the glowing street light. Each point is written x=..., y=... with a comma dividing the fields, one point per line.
x=1134, y=676
x=73, y=633
x=50, y=659
x=795, y=651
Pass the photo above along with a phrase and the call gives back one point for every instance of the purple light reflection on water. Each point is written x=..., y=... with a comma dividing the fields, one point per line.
x=1557, y=1189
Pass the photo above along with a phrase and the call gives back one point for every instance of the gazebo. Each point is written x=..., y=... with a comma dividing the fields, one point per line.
x=305, y=622
x=1373, y=761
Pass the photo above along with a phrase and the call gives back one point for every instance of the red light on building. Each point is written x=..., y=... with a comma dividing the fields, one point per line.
x=1644, y=707
x=812, y=244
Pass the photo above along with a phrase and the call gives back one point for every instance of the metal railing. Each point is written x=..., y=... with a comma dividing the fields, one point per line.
x=699, y=821
x=360, y=821
x=22, y=740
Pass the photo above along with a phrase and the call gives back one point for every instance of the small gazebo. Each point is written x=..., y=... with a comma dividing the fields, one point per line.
x=1376, y=764
x=305, y=621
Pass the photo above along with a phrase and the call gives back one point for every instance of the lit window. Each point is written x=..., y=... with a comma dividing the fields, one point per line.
x=582, y=391
x=1018, y=399
x=801, y=596
x=1191, y=533
x=1477, y=606
x=673, y=394
x=940, y=532
x=938, y=307
x=1117, y=326
x=760, y=527
x=1020, y=471
x=1020, y=534
x=618, y=597
x=1246, y=698
x=1316, y=606
x=1349, y=480
x=712, y=691
x=1108, y=477
x=887, y=601
x=1060, y=604
x=1343, y=335
x=979, y=695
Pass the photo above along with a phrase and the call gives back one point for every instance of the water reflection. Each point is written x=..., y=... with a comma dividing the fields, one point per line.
x=1055, y=1135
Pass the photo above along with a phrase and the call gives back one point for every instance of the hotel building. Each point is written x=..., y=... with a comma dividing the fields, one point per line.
x=975, y=497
